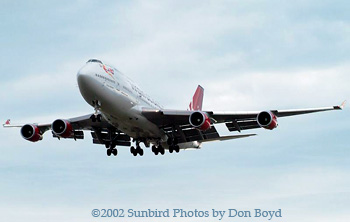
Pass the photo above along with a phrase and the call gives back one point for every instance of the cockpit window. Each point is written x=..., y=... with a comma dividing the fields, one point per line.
x=94, y=60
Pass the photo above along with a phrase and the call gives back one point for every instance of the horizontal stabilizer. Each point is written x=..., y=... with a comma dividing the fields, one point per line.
x=222, y=138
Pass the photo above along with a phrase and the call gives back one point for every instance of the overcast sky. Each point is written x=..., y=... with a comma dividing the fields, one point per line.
x=247, y=54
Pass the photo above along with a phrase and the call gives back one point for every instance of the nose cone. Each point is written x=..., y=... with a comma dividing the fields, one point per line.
x=85, y=77
x=86, y=82
x=83, y=74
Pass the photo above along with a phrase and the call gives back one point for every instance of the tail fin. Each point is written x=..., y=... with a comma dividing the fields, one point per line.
x=197, y=100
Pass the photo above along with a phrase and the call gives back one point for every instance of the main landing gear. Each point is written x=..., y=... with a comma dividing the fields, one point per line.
x=172, y=142
x=158, y=149
x=110, y=144
x=111, y=149
x=137, y=150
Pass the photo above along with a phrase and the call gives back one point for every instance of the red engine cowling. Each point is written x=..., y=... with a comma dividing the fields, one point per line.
x=31, y=133
x=200, y=120
x=267, y=120
x=62, y=128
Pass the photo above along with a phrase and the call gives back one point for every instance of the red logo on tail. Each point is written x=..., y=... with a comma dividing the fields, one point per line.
x=197, y=99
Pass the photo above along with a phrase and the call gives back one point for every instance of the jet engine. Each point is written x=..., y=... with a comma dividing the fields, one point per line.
x=62, y=128
x=200, y=120
x=31, y=133
x=267, y=120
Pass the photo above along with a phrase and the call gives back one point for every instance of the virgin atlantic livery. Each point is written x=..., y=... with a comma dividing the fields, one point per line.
x=124, y=113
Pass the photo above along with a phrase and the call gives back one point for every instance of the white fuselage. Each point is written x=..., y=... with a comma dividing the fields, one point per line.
x=121, y=103
x=120, y=100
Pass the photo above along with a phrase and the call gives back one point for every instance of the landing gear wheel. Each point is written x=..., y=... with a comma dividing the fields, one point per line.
x=93, y=118
x=171, y=149
x=99, y=118
x=161, y=149
x=115, y=152
x=141, y=152
x=177, y=148
x=109, y=152
x=154, y=148
x=107, y=145
x=132, y=150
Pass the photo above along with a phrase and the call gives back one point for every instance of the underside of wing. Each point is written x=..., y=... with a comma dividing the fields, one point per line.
x=72, y=128
x=234, y=121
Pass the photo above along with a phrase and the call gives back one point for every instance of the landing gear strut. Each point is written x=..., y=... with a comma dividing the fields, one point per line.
x=110, y=145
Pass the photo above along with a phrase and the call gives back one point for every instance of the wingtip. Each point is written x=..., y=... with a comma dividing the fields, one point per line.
x=342, y=105
x=7, y=123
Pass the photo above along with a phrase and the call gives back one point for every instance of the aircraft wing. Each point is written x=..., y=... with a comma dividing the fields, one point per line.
x=78, y=123
x=99, y=130
x=178, y=120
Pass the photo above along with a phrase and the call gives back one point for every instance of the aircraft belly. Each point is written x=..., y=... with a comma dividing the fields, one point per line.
x=135, y=127
x=118, y=109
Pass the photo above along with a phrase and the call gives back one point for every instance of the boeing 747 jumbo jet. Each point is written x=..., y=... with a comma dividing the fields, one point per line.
x=124, y=113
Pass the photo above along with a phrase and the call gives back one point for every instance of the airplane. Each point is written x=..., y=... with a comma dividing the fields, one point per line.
x=123, y=114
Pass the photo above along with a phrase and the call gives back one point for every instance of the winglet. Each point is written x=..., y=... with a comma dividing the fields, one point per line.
x=7, y=123
x=341, y=105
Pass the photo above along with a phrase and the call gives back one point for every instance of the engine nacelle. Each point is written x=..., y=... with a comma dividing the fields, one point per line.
x=31, y=133
x=267, y=120
x=200, y=120
x=62, y=128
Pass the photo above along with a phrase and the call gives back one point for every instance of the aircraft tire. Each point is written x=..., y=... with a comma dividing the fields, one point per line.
x=93, y=118
x=154, y=149
x=99, y=118
x=132, y=150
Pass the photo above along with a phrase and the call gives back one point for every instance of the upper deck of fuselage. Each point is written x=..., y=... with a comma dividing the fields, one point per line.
x=95, y=69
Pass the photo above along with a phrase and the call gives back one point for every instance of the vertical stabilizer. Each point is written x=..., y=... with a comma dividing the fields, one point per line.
x=197, y=100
